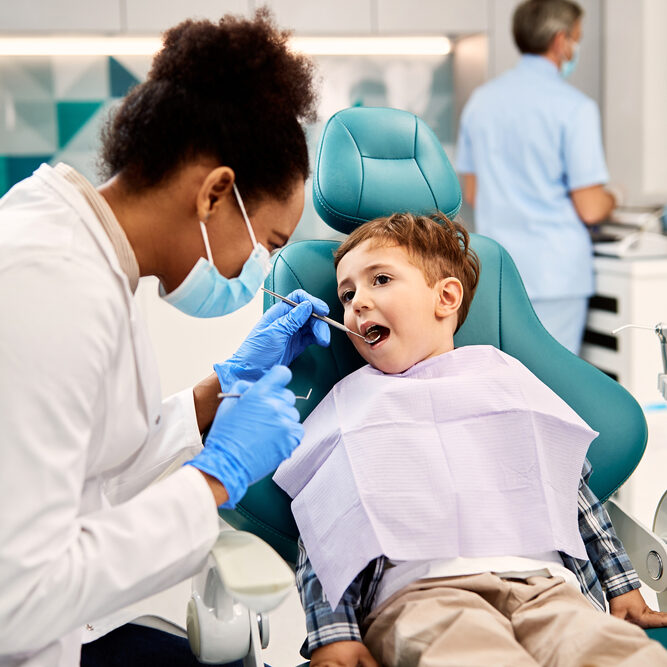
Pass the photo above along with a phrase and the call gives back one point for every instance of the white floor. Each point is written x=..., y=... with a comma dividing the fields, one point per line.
x=288, y=630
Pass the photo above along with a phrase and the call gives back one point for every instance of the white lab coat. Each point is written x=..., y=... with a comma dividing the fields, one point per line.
x=82, y=433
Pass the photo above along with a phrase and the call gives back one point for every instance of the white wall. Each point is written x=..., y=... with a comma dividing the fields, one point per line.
x=655, y=99
x=308, y=16
x=187, y=347
x=635, y=97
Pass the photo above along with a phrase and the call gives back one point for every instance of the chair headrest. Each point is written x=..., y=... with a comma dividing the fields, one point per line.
x=373, y=162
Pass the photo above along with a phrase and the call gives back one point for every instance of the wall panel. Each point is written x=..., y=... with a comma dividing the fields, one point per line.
x=429, y=16
x=61, y=15
x=325, y=16
x=150, y=16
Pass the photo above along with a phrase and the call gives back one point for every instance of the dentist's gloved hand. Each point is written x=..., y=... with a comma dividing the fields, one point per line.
x=250, y=436
x=282, y=334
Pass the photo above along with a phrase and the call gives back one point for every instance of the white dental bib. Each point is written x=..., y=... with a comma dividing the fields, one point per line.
x=465, y=454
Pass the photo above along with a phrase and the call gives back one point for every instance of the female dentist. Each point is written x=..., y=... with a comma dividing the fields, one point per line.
x=206, y=163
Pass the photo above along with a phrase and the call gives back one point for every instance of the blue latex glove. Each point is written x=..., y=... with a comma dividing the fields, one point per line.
x=282, y=334
x=250, y=436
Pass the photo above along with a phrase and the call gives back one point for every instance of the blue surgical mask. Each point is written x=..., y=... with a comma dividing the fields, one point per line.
x=207, y=293
x=567, y=68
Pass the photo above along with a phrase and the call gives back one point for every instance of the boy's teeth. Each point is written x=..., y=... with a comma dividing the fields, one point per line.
x=375, y=333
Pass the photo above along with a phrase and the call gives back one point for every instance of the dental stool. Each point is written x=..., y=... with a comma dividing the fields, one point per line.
x=373, y=162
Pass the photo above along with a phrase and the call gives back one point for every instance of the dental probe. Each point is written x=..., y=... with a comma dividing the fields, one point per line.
x=226, y=394
x=328, y=320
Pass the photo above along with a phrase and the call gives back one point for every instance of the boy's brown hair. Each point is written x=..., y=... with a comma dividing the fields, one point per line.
x=437, y=246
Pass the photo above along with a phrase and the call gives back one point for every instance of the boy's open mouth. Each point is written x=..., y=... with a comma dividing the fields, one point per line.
x=375, y=334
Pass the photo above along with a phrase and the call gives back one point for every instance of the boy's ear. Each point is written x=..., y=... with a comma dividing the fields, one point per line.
x=450, y=295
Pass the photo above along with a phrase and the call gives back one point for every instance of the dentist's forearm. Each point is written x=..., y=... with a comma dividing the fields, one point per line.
x=217, y=489
x=206, y=400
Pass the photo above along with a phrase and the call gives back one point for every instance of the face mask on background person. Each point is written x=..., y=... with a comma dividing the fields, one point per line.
x=568, y=66
x=206, y=293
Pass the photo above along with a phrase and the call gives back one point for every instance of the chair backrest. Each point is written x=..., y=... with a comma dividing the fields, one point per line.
x=375, y=156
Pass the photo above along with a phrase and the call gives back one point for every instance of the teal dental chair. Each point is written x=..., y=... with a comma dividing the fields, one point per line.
x=373, y=162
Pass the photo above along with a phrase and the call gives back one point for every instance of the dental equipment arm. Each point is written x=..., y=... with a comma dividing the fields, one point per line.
x=661, y=331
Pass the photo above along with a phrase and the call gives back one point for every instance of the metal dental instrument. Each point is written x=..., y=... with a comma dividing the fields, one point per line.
x=226, y=394
x=661, y=330
x=634, y=326
x=373, y=338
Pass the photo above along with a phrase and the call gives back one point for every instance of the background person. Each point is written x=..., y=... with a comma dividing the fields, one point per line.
x=206, y=163
x=530, y=151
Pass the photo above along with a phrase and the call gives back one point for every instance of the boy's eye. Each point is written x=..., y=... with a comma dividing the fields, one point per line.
x=347, y=295
x=381, y=279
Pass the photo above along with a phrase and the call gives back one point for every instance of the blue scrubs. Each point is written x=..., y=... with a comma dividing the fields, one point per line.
x=530, y=138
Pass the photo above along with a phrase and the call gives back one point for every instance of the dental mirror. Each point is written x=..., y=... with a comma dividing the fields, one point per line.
x=372, y=335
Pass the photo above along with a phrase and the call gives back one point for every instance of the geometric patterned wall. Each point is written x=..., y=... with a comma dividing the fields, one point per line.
x=52, y=109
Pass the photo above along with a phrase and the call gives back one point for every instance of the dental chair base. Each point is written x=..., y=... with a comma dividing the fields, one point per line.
x=647, y=549
x=648, y=552
x=660, y=528
x=244, y=579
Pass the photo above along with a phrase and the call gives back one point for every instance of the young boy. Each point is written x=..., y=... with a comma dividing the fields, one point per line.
x=438, y=491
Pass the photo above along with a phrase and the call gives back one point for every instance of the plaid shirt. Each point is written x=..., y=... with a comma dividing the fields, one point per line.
x=608, y=567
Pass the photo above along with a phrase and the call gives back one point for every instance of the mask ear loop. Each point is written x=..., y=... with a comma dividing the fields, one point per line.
x=245, y=216
x=204, y=234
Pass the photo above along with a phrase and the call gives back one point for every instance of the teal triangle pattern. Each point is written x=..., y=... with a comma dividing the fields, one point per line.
x=40, y=117
x=41, y=71
x=4, y=175
x=16, y=168
x=72, y=116
x=120, y=79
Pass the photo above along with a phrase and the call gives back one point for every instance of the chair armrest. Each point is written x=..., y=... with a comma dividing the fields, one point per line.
x=243, y=579
x=251, y=571
x=647, y=551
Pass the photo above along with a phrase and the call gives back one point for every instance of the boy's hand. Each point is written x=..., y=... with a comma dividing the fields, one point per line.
x=632, y=607
x=343, y=654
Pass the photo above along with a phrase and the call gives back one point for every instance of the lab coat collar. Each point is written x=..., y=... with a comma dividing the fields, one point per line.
x=73, y=198
x=103, y=212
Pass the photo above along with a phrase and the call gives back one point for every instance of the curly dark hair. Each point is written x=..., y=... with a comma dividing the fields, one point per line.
x=231, y=91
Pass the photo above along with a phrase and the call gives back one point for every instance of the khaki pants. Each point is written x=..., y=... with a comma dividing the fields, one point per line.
x=483, y=620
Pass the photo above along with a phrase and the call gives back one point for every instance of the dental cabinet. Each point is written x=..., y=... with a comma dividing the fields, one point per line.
x=627, y=291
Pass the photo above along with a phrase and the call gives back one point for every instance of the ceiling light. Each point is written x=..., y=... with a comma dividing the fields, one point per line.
x=147, y=46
